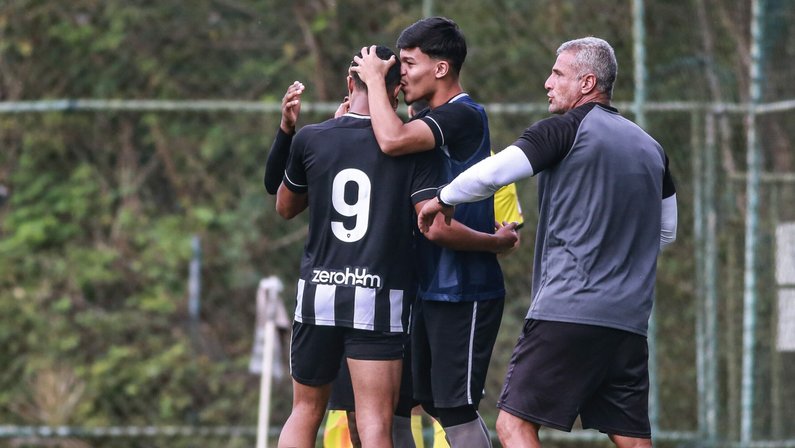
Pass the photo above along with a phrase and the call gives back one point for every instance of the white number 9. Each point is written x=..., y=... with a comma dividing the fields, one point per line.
x=360, y=209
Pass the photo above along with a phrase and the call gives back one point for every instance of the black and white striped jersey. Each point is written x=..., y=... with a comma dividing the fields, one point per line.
x=358, y=265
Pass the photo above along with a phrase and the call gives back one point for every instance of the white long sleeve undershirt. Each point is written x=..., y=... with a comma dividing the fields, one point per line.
x=484, y=178
x=668, y=221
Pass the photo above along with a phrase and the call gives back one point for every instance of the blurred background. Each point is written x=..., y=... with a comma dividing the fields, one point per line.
x=133, y=136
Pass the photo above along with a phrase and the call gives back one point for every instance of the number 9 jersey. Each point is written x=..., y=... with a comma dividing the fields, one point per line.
x=358, y=265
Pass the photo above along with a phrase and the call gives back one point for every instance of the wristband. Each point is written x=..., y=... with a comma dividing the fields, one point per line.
x=439, y=197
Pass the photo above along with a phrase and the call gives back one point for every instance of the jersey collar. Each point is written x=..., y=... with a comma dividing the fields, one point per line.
x=357, y=116
x=458, y=97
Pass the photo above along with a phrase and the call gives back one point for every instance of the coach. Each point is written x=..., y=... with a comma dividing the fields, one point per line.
x=607, y=204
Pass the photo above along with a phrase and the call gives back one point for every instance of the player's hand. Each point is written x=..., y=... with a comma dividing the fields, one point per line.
x=429, y=211
x=506, y=237
x=344, y=107
x=291, y=107
x=514, y=225
x=370, y=67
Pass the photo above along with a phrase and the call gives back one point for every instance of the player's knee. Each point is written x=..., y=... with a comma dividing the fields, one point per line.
x=503, y=428
x=507, y=425
x=310, y=409
x=457, y=416
x=372, y=429
x=630, y=442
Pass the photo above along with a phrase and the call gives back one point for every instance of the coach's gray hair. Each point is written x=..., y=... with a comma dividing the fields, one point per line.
x=594, y=55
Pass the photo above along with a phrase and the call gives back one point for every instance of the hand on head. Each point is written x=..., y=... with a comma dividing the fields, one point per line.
x=369, y=66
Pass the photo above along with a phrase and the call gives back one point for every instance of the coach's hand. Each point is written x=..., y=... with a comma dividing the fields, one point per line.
x=428, y=213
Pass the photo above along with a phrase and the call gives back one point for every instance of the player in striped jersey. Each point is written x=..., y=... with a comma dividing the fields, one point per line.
x=357, y=281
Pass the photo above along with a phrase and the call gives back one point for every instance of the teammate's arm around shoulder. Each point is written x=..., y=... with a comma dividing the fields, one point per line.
x=394, y=137
x=409, y=138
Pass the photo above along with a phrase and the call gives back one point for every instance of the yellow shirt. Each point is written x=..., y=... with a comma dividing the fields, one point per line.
x=506, y=205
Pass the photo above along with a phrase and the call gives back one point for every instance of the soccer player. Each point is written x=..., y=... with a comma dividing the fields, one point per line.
x=607, y=205
x=341, y=400
x=455, y=323
x=356, y=283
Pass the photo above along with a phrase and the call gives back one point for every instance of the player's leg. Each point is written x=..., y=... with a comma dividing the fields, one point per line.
x=375, y=360
x=461, y=336
x=309, y=407
x=555, y=368
x=341, y=400
x=315, y=354
x=402, y=429
x=421, y=360
x=353, y=430
x=630, y=442
x=376, y=384
x=620, y=406
x=515, y=432
x=463, y=427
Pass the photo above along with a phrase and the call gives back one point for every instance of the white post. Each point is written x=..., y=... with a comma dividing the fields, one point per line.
x=268, y=292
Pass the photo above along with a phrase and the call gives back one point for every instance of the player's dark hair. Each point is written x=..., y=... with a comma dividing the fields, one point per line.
x=392, y=78
x=439, y=38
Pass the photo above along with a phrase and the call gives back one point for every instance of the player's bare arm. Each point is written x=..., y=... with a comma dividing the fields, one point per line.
x=457, y=236
x=451, y=234
x=394, y=137
x=290, y=204
x=427, y=214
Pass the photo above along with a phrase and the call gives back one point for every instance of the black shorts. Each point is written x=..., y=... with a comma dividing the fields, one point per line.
x=316, y=351
x=341, y=398
x=451, y=345
x=559, y=370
